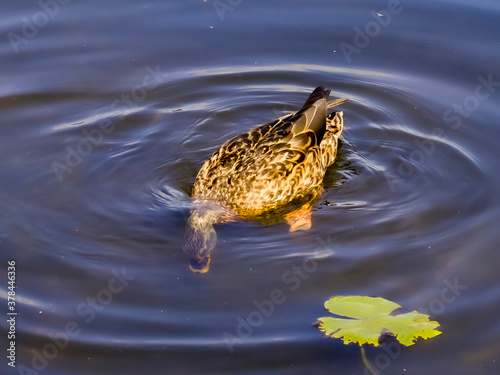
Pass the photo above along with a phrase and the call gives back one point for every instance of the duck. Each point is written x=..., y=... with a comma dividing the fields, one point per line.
x=273, y=170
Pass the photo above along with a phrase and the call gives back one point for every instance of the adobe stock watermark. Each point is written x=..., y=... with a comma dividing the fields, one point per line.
x=292, y=278
x=453, y=117
x=471, y=103
x=32, y=25
x=437, y=306
x=223, y=6
x=87, y=311
x=94, y=137
x=448, y=294
x=372, y=29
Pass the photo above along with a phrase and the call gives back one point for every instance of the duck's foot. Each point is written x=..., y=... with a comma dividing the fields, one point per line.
x=301, y=219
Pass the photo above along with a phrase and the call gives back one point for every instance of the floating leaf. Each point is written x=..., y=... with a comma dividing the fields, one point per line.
x=368, y=317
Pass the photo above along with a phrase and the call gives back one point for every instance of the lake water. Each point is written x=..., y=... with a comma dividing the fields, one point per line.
x=108, y=110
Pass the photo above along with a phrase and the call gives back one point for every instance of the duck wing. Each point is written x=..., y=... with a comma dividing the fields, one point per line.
x=312, y=115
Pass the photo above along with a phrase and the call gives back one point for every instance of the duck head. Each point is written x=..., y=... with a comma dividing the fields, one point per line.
x=200, y=238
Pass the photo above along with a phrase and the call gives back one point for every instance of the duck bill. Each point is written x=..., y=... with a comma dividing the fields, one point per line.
x=200, y=265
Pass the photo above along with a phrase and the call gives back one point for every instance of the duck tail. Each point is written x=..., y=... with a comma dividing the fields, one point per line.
x=336, y=102
x=318, y=93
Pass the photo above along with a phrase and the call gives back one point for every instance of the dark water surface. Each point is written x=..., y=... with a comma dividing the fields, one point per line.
x=108, y=110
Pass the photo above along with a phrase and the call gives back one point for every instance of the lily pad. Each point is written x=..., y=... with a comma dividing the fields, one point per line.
x=366, y=318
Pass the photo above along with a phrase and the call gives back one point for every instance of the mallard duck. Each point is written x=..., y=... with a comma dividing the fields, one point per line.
x=259, y=173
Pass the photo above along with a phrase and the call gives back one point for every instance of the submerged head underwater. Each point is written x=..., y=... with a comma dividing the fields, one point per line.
x=235, y=187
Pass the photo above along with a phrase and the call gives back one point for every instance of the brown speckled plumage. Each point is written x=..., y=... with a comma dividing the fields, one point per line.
x=267, y=167
x=273, y=164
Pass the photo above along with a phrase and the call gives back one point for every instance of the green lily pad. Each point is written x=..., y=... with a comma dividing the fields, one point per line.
x=366, y=318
